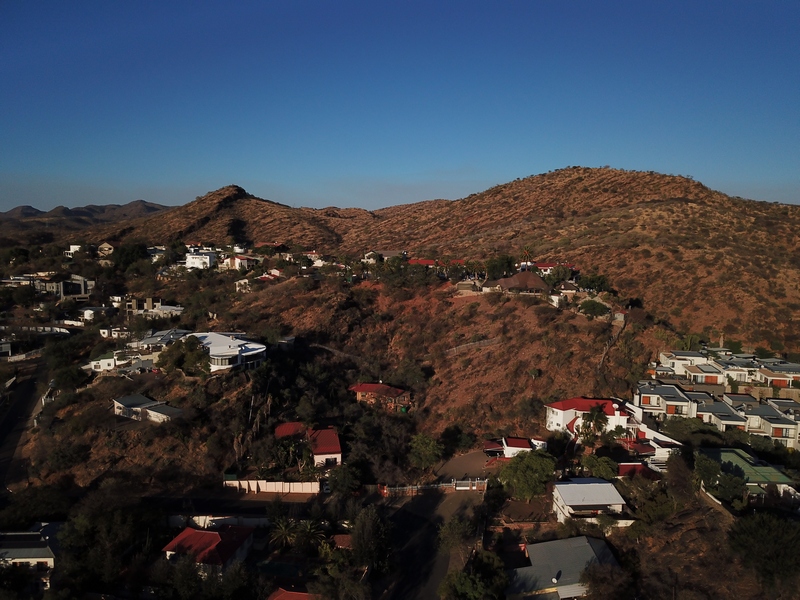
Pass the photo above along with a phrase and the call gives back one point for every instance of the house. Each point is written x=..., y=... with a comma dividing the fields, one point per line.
x=142, y=408
x=662, y=400
x=89, y=313
x=156, y=340
x=779, y=375
x=545, y=268
x=514, y=445
x=200, y=260
x=105, y=250
x=77, y=288
x=704, y=373
x=325, y=447
x=585, y=497
x=764, y=419
x=525, y=282
x=466, y=286
x=228, y=350
x=293, y=429
x=567, y=415
x=73, y=250
x=105, y=362
x=243, y=286
x=114, y=333
x=380, y=394
x=721, y=415
x=30, y=550
x=212, y=550
x=567, y=289
x=678, y=360
x=239, y=261
x=556, y=567
x=490, y=285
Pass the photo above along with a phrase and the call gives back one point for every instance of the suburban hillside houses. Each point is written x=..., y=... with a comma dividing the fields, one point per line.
x=213, y=551
x=720, y=368
x=775, y=418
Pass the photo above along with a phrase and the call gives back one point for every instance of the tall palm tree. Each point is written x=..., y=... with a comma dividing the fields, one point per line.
x=283, y=532
x=527, y=255
x=308, y=534
x=594, y=423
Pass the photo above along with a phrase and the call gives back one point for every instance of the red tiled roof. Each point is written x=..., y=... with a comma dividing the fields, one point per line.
x=292, y=429
x=380, y=389
x=642, y=449
x=210, y=547
x=584, y=405
x=291, y=594
x=324, y=441
x=492, y=445
x=631, y=469
x=518, y=442
x=427, y=262
x=571, y=425
x=343, y=540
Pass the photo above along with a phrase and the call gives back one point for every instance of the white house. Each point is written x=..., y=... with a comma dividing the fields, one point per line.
x=678, y=360
x=28, y=549
x=325, y=447
x=514, y=445
x=73, y=250
x=201, y=260
x=567, y=415
x=228, y=350
x=142, y=408
x=106, y=362
x=585, y=497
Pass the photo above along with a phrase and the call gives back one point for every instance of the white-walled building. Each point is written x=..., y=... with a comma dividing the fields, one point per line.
x=201, y=260
x=585, y=497
x=227, y=350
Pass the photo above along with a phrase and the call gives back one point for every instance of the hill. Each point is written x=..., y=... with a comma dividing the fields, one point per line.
x=696, y=259
x=29, y=225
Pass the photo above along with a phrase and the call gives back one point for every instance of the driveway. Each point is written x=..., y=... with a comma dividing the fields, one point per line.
x=470, y=465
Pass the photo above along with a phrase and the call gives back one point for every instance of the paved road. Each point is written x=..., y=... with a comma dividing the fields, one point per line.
x=415, y=534
x=17, y=421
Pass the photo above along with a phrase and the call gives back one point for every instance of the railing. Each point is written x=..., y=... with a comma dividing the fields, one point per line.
x=462, y=485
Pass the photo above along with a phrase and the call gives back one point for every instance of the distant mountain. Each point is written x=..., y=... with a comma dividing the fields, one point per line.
x=26, y=224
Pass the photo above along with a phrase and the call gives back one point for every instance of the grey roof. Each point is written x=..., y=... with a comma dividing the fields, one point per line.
x=588, y=491
x=667, y=391
x=785, y=368
x=722, y=410
x=563, y=560
x=169, y=411
x=135, y=401
x=24, y=546
x=687, y=354
x=700, y=396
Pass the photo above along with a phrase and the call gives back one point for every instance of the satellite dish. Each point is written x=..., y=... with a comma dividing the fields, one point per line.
x=554, y=580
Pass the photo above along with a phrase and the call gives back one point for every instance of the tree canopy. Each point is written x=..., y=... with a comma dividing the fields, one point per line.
x=528, y=473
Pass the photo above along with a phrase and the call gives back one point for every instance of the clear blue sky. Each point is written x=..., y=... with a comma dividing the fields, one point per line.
x=317, y=103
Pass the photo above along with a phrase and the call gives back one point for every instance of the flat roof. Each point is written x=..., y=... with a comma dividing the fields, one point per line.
x=588, y=491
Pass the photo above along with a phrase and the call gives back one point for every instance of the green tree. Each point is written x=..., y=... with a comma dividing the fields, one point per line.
x=528, y=473
x=594, y=424
x=370, y=538
x=344, y=480
x=593, y=308
x=454, y=533
x=761, y=542
x=483, y=579
x=500, y=266
x=425, y=451
x=602, y=467
x=283, y=531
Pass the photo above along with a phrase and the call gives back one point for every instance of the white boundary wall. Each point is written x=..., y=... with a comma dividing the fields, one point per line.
x=275, y=487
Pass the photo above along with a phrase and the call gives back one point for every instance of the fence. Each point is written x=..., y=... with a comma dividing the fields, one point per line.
x=21, y=357
x=462, y=485
x=276, y=487
x=37, y=329
x=211, y=521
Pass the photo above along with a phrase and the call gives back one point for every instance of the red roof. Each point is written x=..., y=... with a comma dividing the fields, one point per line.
x=631, y=469
x=291, y=594
x=641, y=449
x=210, y=547
x=324, y=441
x=377, y=388
x=571, y=425
x=492, y=445
x=584, y=405
x=343, y=540
x=292, y=429
x=427, y=262
x=518, y=442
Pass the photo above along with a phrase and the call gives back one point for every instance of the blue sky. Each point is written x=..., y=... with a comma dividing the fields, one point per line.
x=370, y=104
